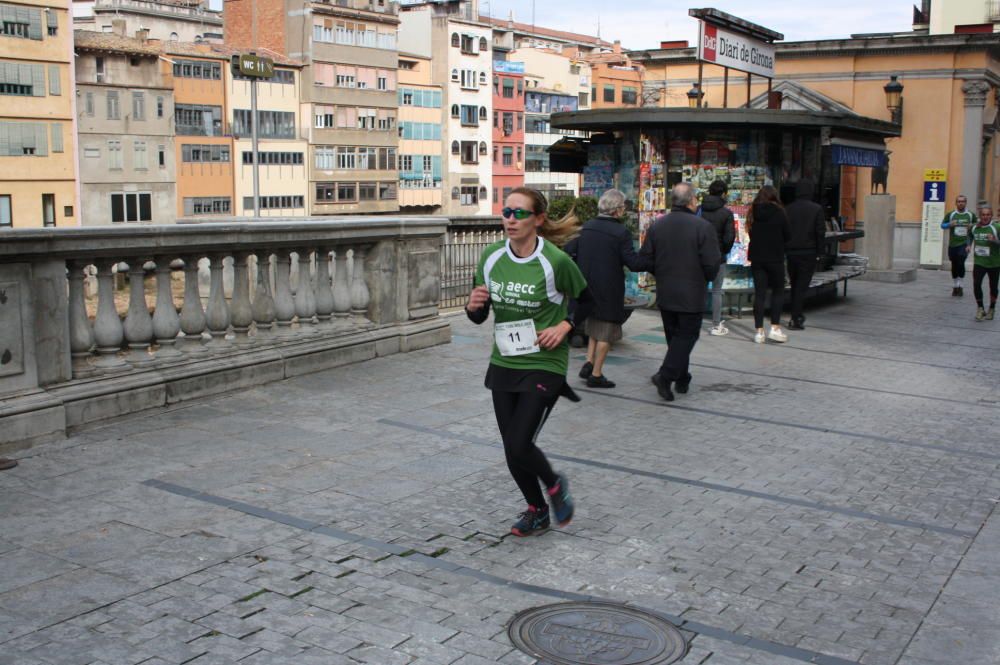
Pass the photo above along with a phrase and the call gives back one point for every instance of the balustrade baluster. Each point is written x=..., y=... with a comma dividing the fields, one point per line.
x=324, y=290
x=166, y=323
x=192, y=315
x=81, y=334
x=305, y=301
x=284, y=306
x=359, y=289
x=108, y=333
x=341, y=284
x=263, y=303
x=241, y=310
x=138, y=325
x=216, y=311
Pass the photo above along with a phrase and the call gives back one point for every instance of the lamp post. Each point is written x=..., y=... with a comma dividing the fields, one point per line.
x=694, y=96
x=894, y=99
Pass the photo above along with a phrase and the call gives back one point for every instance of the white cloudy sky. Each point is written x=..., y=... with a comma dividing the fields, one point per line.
x=643, y=24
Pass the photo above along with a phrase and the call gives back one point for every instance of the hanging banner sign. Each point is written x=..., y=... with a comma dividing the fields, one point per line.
x=736, y=51
x=932, y=213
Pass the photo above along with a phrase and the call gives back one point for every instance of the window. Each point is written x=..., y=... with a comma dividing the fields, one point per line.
x=159, y=107
x=367, y=191
x=88, y=104
x=496, y=153
x=482, y=148
x=324, y=157
x=346, y=81
x=406, y=162
x=508, y=88
x=275, y=202
x=139, y=155
x=197, y=69
x=455, y=39
x=470, y=152
x=483, y=46
x=196, y=120
x=454, y=111
x=387, y=159
x=470, y=117
x=114, y=154
x=629, y=95
x=272, y=158
x=469, y=80
x=162, y=156
x=92, y=153
x=271, y=124
x=455, y=148
x=469, y=196
x=508, y=156
x=482, y=113
x=326, y=192
x=508, y=123
x=520, y=87
x=114, y=111
x=496, y=195
x=406, y=98
x=518, y=156
x=346, y=158
x=496, y=119
x=207, y=205
x=482, y=79
x=520, y=121
x=193, y=152
x=386, y=191
x=482, y=193
x=132, y=207
x=454, y=75
x=496, y=84
x=382, y=83
x=99, y=69
x=429, y=162
x=324, y=117
x=347, y=191
x=609, y=93
x=48, y=209
x=6, y=220
x=506, y=192
x=468, y=45
x=67, y=211
x=138, y=106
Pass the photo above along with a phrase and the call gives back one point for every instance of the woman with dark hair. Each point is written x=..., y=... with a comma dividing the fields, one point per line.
x=769, y=232
x=529, y=281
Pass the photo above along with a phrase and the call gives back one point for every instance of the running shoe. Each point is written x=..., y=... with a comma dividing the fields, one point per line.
x=777, y=334
x=532, y=521
x=562, y=502
x=989, y=313
x=586, y=370
x=980, y=314
x=759, y=337
x=663, y=387
x=599, y=382
x=718, y=330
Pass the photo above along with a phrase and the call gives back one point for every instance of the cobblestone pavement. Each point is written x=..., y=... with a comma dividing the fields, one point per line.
x=830, y=500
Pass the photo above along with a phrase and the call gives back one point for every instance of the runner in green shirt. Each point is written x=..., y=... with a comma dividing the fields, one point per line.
x=984, y=238
x=528, y=281
x=958, y=221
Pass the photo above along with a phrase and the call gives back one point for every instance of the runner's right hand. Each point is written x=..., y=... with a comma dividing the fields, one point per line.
x=478, y=298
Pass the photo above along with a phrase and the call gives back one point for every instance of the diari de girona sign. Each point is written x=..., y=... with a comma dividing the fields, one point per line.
x=736, y=51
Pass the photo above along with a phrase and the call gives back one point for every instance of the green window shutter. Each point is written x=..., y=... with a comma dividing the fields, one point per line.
x=37, y=73
x=15, y=130
x=34, y=20
x=55, y=87
x=51, y=19
x=57, y=137
x=9, y=73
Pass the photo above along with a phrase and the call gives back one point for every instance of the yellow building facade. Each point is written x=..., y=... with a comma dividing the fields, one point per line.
x=420, y=153
x=949, y=112
x=37, y=144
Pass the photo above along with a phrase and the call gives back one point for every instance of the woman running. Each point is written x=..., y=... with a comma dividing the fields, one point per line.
x=529, y=281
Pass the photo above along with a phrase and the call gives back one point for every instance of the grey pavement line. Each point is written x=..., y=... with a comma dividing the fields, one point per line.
x=849, y=512
x=795, y=653
x=914, y=321
x=811, y=428
x=892, y=337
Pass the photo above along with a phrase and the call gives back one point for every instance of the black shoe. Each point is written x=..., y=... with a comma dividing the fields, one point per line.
x=682, y=388
x=533, y=520
x=586, y=370
x=954, y=290
x=599, y=382
x=959, y=292
x=7, y=463
x=796, y=324
x=663, y=387
x=562, y=502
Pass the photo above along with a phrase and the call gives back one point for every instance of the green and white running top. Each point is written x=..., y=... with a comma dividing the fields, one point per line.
x=528, y=295
x=985, y=254
x=959, y=223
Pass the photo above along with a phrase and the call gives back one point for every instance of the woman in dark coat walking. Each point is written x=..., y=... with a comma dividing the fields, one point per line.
x=602, y=248
x=769, y=232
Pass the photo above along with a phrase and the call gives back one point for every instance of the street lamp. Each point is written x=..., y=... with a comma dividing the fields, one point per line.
x=694, y=96
x=894, y=99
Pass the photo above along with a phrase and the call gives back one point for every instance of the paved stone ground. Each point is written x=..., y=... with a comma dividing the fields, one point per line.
x=832, y=500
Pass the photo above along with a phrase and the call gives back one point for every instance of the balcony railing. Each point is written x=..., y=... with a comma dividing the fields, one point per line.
x=993, y=10
x=259, y=301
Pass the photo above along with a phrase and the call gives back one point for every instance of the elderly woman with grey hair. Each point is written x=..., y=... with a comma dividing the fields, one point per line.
x=603, y=247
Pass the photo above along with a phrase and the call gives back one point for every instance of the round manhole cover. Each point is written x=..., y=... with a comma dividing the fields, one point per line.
x=594, y=633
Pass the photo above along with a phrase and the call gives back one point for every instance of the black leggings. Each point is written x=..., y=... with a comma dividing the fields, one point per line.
x=978, y=272
x=520, y=417
x=768, y=276
x=957, y=256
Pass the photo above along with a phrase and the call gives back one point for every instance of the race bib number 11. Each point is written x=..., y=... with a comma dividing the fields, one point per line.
x=516, y=338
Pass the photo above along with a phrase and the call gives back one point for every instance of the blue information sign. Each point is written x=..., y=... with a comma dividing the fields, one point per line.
x=934, y=192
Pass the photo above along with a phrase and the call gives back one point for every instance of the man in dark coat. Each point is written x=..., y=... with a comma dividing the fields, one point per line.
x=602, y=248
x=685, y=253
x=807, y=242
x=713, y=208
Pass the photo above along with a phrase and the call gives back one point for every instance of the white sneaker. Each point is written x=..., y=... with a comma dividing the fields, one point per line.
x=719, y=330
x=759, y=337
x=778, y=335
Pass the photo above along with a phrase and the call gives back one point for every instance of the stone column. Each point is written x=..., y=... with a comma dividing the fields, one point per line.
x=192, y=315
x=263, y=303
x=972, y=140
x=341, y=284
x=166, y=323
x=284, y=305
x=324, y=290
x=81, y=335
x=359, y=289
x=138, y=323
x=305, y=303
x=240, y=308
x=108, y=333
x=216, y=312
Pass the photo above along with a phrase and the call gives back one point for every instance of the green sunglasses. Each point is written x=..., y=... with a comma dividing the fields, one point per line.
x=517, y=213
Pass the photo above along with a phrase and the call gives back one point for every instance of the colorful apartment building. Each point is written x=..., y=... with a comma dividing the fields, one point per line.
x=348, y=90
x=37, y=147
x=508, y=130
x=420, y=146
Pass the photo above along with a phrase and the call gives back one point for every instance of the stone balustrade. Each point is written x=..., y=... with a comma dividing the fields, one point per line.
x=284, y=298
